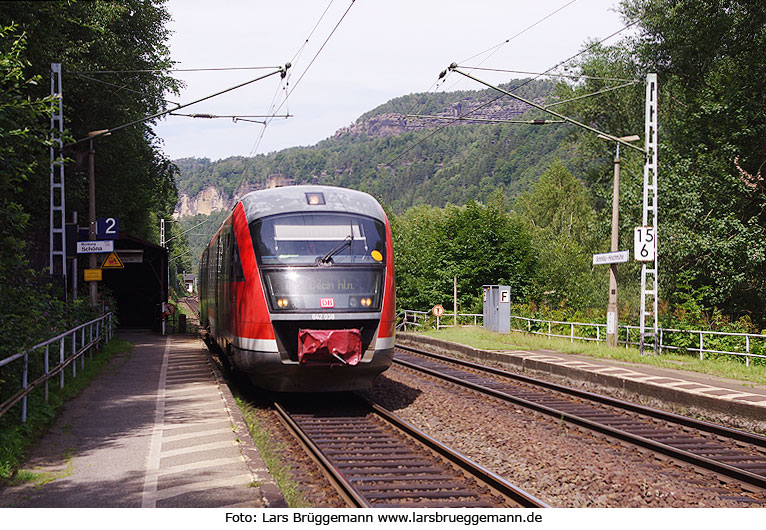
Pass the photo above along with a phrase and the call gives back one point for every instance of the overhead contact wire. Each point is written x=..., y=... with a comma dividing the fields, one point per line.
x=509, y=39
x=289, y=92
x=462, y=116
x=495, y=48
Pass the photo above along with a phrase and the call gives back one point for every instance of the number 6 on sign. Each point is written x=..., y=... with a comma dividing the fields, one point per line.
x=644, y=243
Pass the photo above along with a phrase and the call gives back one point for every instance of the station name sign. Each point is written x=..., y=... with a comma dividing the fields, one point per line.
x=95, y=247
x=610, y=257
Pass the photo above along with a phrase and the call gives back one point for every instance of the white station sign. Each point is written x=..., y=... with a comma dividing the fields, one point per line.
x=95, y=247
x=610, y=257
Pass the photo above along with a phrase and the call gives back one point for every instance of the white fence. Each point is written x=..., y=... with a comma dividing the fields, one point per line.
x=71, y=345
x=738, y=344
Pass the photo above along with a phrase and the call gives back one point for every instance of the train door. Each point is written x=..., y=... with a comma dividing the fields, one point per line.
x=225, y=279
x=216, y=289
x=237, y=277
x=202, y=289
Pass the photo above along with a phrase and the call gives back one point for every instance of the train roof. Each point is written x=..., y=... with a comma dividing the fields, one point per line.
x=287, y=199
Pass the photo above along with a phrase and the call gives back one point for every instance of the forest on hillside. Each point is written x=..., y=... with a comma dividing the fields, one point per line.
x=135, y=180
x=457, y=195
x=488, y=203
x=461, y=162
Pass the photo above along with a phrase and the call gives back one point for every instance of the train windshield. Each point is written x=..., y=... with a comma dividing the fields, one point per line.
x=318, y=238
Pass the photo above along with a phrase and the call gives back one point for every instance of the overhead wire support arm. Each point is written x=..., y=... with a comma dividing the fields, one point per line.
x=454, y=68
x=211, y=116
x=234, y=117
x=282, y=71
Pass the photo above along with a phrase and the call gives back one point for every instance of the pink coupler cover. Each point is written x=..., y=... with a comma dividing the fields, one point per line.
x=342, y=346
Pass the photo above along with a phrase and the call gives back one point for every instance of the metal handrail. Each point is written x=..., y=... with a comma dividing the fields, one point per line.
x=413, y=318
x=410, y=317
x=98, y=330
x=662, y=332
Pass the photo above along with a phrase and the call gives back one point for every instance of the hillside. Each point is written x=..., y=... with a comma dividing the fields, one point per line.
x=403, y=161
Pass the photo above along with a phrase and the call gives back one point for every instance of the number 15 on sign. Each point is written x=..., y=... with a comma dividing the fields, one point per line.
x=644, y=243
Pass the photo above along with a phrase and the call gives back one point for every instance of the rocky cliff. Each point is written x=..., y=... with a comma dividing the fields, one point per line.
x=205, y=202
x=462, y=112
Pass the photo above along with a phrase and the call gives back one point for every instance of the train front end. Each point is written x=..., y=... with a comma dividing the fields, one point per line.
x=316, y=309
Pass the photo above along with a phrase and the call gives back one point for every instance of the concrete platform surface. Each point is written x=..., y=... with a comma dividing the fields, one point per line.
x=157, y=428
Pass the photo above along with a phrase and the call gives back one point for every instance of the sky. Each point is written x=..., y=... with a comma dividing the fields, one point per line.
x=347, y=58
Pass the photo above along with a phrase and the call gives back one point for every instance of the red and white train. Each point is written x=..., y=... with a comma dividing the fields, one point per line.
x=297, y=289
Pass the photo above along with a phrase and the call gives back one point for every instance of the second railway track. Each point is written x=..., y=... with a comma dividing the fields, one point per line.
x=730, y=453
x=377, y=460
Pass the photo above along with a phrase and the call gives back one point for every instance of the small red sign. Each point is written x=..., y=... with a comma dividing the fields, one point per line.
x=327, y=302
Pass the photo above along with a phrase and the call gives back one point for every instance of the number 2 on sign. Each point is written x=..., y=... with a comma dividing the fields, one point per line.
x=644, y=243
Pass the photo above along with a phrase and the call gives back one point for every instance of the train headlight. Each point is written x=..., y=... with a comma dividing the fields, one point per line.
x=366, y=302
x=282, y=303
x=315, y=198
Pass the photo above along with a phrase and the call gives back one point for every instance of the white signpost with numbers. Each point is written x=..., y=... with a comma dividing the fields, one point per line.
x=644, y=239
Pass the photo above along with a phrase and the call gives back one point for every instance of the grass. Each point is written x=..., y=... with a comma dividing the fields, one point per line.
x=271, y=451
x=724, y=366
x=25, y=476
x=16, y=438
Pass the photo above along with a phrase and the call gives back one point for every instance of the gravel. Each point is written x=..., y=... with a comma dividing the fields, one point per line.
x=563, y=465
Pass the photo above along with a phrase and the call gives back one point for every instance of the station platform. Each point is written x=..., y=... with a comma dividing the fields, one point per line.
x=696, y=392
x=157, y=428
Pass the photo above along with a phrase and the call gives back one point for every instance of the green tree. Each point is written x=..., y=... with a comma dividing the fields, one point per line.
x=135, y=181
x=561, y=219
x=27, y=312
x=712, y=123
x=479, y=244
x=23, y=132
x=713, y=126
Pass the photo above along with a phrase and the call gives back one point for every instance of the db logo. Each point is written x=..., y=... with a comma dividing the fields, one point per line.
x=326, y=302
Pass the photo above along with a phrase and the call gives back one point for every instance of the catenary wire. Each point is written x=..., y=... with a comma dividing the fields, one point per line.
x=592, y=94
x=548, y=74
x=584, y=50
x=179, y=107
x=284, y=102
x=495, y=48
x=216, y=69
x=122, y=87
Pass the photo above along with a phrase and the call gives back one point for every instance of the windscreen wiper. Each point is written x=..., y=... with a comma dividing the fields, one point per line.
x=327, y=258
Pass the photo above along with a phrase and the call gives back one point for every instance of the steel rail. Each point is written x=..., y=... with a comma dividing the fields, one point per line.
x=659, y=447
x=347, y=490
x=496, y=484
x=32, y=385
x=494, y=481
x=712, y=428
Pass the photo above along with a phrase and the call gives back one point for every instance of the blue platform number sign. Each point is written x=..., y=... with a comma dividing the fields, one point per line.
x=107, y=228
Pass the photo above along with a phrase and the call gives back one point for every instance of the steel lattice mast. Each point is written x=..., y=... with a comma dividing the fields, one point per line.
x=650, y=270
x=57, y=265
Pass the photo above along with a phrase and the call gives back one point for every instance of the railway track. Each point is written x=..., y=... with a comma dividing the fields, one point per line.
x=730, y=453
x=377, y=460
x=192, y=302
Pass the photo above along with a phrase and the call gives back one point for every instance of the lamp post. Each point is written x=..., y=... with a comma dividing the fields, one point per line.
x=611, y=308
x=92, y=208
